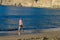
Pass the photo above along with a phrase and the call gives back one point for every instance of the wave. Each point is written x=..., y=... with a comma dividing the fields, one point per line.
x=8, y=29
x=27, y=29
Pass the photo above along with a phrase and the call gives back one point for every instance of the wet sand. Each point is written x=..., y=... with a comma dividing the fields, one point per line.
x=44, y=35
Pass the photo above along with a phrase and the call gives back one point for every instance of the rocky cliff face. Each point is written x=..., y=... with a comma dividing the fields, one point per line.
x=32, y=3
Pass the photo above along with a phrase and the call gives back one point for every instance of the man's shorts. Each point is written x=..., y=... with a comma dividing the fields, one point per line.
x=21, y=25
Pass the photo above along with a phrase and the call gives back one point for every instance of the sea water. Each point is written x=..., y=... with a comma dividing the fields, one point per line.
x=33, y=18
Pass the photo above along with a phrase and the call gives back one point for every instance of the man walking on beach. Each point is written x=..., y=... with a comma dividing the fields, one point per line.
x=20, y=26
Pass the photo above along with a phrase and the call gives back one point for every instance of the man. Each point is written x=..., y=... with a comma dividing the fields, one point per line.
x=20, y=26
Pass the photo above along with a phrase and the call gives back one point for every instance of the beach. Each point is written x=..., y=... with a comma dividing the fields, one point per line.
x=41, y=35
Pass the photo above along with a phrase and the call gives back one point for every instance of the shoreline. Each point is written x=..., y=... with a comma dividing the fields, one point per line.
x=30, y=7
x=52, y=35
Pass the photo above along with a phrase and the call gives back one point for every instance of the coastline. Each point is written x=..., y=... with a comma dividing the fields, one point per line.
x=30, y=7
x=48, y=35
x=44, y=34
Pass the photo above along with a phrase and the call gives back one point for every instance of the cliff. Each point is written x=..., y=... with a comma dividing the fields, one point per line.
x=32, y=3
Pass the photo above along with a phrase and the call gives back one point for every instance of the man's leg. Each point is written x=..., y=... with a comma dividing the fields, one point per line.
x=19, y=32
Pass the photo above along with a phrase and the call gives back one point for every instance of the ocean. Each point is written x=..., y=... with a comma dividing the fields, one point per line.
x=33, y=18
